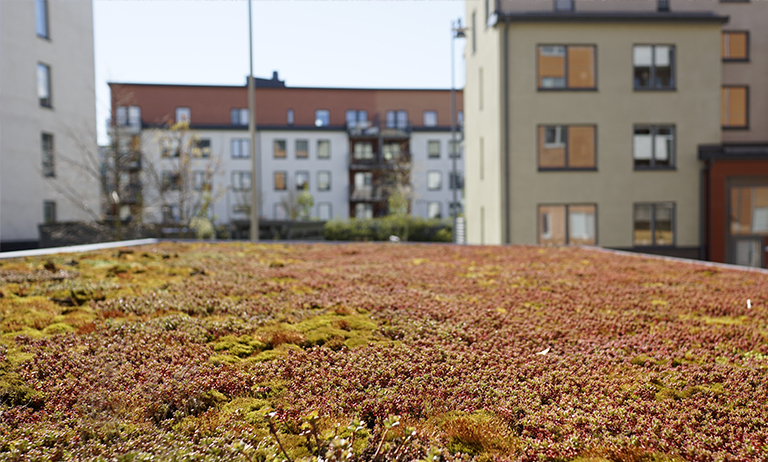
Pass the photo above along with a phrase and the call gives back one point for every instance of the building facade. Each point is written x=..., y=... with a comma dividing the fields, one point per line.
x=586, y=120
x=342, y=146
x=47, y=118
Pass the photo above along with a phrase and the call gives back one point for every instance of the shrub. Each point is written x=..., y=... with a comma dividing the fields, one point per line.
x=380, y=229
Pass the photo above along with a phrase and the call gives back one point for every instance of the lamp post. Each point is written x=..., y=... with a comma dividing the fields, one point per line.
x=456, y=32
x=252, y=132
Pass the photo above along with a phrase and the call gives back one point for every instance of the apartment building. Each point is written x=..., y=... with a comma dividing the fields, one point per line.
x=47, y=116
x=588, y=122
x=341, y=145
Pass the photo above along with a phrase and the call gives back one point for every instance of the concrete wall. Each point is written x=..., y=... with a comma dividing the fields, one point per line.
x=71, y=120
x=694, y=109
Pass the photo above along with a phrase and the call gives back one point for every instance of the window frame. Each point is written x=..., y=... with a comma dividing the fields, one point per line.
x=429, y=151
x=236, y=116
x=330, y=210
x=42, y=15
x=320, y=183
x=177, y=119
x=564, y=135
x=275, y=149
x=653, y=224
x=238, y=185
x=304, y=173
x=319, y=123
x=556, y=6
x=424, y=118
x=285, y=180
x=654, y=132
x=47, y=101
x=290, y=117
x=170, y=180
x=745, y=59
x=48, y=168
x=439, y=210
x=319, y=151
x=746, y=109
x=652, y=77
x=201, y=148
x=245, y=148
x=439, y=186
x=305, y=151
x=567, y=221
x=49, y=212
x=567, y=86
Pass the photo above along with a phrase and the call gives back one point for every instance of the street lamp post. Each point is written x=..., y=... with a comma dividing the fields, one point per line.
x=456, y=32
x=252, y=132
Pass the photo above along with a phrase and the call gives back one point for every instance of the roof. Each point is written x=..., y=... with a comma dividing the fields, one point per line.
x=611, y=16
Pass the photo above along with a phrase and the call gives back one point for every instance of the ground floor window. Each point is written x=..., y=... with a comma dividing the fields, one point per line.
x=567, y=224
x=363, y=211
x=654, y=224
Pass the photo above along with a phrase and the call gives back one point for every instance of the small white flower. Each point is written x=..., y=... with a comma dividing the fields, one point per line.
x=749, y=304
x=543, y=352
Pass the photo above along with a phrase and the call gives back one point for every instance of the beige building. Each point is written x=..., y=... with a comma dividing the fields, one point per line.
x=584, y=118
x=47, y=115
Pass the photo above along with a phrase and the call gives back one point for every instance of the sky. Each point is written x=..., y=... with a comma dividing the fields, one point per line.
x=313, y=43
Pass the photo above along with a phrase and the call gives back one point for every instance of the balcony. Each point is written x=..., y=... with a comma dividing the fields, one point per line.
x=366, y=194
x=130, y=161
x=379, y=161
x=373, y=129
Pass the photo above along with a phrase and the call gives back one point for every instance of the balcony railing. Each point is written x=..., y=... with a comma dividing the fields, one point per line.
x=379, y=161
x=365, y=194
x=377, y=128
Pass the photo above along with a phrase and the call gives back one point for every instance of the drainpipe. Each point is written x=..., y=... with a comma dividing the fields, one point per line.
x=703, y=210
x=506, y=202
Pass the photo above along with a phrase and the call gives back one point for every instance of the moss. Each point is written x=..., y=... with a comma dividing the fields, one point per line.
x=224, y=359
x=14, y=392
x=58, y=328
x=269, y=389
x=641, y=360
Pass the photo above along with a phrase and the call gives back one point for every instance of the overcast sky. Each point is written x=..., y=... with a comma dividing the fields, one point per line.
x=331, y=43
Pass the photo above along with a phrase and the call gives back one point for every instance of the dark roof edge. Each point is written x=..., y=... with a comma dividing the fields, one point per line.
x=611, y=16
x=243, y=87
x=733, y=151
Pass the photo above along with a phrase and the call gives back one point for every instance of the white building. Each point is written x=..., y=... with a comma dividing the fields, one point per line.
x=47, y=115
x=337, y=144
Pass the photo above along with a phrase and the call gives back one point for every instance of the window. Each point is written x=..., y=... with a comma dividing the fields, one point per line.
x=363, y=180
x=391, y=151
x=454, y=148
x=663, y=5
x=241, y=148
x=480, y=88
x=324, y=180
x=654, y=224
x=357, y=118
x=324, y=211
x=563, y=5
x=474, y=34
x=278, y=147
x=566, y=67
x=239, y=116
x=363, y=150
x=567, y=147
x=290, y=117
x=49, y=212
x=460, y=119
x=202, y=148
x=44, y=84
x=567, y=224
x=322, y=118
x=434, y=180
x=735, y=46
x=323, y=149
x=183, y=114
x=397, y=119
x=281, y=181
x=128, y=116
x=654, y=146
x=241, y=180
x=433, y=149
x=749, y=210
x=434, y=210
x=47, y=149
x=654, y=67
x=171, y=214
x=363, y=211
x=302, y=149
x=168, y=147
x=430, y=118
x=199, y=180
x=455, y=180
x=734, y=107
x=41, y=18
x=170, y=181
x=302, y=181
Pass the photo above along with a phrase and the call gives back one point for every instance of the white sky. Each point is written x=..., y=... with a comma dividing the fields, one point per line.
x=318, y=43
